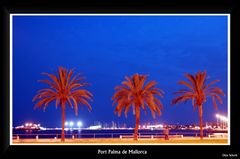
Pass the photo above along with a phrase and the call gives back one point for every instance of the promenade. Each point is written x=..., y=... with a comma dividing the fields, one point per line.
x=117, y=141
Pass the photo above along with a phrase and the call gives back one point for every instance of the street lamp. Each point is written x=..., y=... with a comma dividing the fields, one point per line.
x=71, y=124
x=66, y=124
x=79, y=124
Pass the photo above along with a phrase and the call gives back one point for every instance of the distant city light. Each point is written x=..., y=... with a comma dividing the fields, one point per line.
x=71, y=123
x=155, y=126
x=79, y=123
x=221, y=117
x=223, y=120
x=94, y=127
x=66, y=123
x=28, y=124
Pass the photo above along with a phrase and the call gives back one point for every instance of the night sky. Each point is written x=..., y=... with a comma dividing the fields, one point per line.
x=106, y=49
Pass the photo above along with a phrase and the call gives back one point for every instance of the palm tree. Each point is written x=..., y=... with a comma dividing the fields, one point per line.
x=64, y=88
x=198, y=91
x=133, y=92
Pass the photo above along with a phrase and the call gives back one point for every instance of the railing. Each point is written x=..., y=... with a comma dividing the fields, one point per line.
x=150, y=136
x=221, y=135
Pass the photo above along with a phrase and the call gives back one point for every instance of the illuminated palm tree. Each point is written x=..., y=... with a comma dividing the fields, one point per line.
x=64, y=88
x=133, y=92
x=198, y=91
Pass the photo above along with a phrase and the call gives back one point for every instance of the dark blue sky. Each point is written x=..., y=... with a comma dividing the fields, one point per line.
x=105, y=49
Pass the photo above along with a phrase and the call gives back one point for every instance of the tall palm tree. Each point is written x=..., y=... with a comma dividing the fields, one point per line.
x=134, y=92
x=64, y=88
x=198, y=90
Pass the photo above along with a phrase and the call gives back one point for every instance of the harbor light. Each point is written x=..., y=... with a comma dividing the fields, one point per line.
x=217, y=116
x=66, y=123
x=79, y=123
x=221, y=117
x=223, y=120
x=28, y=124
x=71, y=123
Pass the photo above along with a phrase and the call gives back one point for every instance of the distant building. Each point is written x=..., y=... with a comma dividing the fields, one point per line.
x=94, y=127
x=114, y=125
x=97, y=123
x=105, y=125
x=157, y=126
x=124, y=125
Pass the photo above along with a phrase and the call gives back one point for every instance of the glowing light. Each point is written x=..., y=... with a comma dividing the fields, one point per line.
x=66, y=123
x=155, y=126
x=95, y=127
x=26, y=124
x=71, y=123
x=224, y=118
x=221, y=117
x=79, y=123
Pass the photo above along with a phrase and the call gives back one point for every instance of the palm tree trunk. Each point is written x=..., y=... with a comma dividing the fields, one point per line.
x=63, y=123
x=200, y=119
x=137, y=117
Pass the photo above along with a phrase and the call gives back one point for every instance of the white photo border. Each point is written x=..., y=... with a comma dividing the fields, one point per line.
x=112, y=14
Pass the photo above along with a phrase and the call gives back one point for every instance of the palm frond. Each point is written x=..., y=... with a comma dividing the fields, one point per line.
x=135, y=92
x=65, y=88
x=198, y=90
